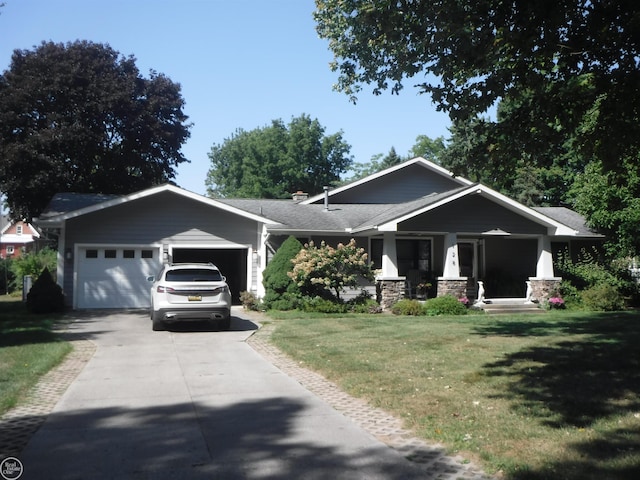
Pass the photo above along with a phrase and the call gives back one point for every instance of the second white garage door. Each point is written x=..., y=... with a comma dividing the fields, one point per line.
x=115, y=277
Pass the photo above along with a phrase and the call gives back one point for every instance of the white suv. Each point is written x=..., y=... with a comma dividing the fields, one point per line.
x=190, y=291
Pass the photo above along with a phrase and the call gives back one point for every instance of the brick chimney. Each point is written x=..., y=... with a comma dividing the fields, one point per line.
x=300, y=196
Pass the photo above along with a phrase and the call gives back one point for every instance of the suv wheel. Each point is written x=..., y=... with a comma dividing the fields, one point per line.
x=157, y=323
x=225, y=323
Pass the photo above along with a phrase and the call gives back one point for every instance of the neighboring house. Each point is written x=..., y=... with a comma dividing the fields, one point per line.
x=17, y=238
x=416, y=220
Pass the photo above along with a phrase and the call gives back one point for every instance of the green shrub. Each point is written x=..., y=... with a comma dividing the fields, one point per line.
x=571, y=295
x=280, y=290
x=34, y=263
x=604, y=298
x=285, y=301
x=323, y=305
x=445, y=305
x=370, y=306
x=45, y=295
x=408, y=307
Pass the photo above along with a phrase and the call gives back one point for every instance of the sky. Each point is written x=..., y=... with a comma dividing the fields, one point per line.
x=240, y=64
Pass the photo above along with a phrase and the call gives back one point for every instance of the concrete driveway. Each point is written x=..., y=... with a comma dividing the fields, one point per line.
x=195, y=404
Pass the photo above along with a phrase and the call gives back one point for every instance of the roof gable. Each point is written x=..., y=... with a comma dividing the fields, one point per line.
x=111, y=201
x=401, y=183
x=554, y=227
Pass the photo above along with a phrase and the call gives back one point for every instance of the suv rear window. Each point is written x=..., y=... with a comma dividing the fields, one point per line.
x=193, y=275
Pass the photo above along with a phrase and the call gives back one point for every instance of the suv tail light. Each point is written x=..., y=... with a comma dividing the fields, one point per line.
x=163, y=289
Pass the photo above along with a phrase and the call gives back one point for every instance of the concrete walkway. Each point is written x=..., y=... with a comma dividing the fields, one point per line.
x=206, y=404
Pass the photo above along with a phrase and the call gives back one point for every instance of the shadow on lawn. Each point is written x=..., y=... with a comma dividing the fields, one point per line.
x=589, y=372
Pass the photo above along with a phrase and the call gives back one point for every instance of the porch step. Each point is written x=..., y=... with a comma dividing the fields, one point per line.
x=497, y=306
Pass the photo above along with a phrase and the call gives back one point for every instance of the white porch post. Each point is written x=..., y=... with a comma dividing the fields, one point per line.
x=451, y=260
x=544, y=267
x=389, y=255
x=60, y=256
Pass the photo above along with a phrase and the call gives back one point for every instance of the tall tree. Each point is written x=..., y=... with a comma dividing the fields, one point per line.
x=612, y=205
x=79, y=117
x=428, y=148
x=570, y=68
x=276, y=160
x=377, y=163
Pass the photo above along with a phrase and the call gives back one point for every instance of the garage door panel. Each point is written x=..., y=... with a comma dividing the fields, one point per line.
x=115, y=277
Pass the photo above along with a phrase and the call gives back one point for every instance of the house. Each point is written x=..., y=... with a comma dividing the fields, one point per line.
x=17, y=238
x=416, y=220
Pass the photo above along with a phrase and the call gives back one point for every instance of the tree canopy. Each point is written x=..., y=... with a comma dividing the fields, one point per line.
x=277, y=160
x=79, y=117
x=577, y=62
x=562, y=78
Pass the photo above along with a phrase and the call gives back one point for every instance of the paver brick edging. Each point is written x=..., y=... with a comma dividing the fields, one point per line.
x=18, y=425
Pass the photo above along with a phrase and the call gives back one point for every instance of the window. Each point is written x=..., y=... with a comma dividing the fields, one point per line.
x=91, y=254
x=19, y=229
x=109, y=254
x=129, y=254
x=193, y=275
x=147, y=253
x=411, y=254
x=10, y=250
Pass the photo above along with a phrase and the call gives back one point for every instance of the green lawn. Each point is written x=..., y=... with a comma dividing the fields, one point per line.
x=28, y=350
x=549, y=396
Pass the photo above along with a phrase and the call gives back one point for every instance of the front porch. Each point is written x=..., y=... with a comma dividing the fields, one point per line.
x=464, y=266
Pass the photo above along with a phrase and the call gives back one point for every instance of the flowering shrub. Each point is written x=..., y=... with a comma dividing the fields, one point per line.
x=464, y=301
x=556, y=302
x=327, y=271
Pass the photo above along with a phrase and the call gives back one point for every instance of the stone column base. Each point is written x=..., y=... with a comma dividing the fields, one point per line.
x=452, y=286
x=544, y=288
x=389, y=291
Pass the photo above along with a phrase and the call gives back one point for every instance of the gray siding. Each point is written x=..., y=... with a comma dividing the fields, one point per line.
x=401, y=186
x=472, y=214
x=163, y=218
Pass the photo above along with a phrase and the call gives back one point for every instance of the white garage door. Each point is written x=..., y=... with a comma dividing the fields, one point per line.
x=115, y=277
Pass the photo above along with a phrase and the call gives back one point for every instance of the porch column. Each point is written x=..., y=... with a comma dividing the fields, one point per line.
x=389, y=286
x=451, y=262
x=451, y=283
x=544, y=267
x=544, y=284
x=389, y=255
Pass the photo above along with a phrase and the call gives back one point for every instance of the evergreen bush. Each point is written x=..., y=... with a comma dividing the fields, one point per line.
x=280, y=290
x=45, y=295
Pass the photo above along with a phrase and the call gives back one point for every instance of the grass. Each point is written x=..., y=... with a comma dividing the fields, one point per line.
x=28, y=350
x=547, y=396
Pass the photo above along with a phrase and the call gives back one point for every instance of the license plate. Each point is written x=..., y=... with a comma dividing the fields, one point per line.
x=195, y=298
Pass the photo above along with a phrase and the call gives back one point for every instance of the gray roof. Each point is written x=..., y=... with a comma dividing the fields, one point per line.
x=293, y=216
x=569, y=218
x=69, y=202
x=296, y=216
x=338, y=217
